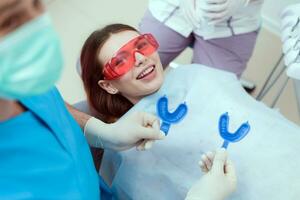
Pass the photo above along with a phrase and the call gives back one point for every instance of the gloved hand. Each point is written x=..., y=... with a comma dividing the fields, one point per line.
x=219, y=180
x=190, y=12
x=216, y=11
x=138, y=129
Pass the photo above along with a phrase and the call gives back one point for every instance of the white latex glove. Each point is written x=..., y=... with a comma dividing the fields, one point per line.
x=190, y=12
x=216, y=11
x=138, y=129
x=219, y=180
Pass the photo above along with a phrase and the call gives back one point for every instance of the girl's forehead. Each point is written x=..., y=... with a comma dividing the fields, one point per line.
x=115, y=42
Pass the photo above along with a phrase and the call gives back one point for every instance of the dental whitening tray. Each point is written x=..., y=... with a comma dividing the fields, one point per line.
x=239, y=134
x=167, y=117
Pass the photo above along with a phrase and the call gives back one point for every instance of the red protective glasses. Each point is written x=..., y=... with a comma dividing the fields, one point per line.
x=124, y=59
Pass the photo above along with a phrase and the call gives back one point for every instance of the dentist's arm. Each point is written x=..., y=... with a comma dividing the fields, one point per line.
x=128, y=132
x=79, y=116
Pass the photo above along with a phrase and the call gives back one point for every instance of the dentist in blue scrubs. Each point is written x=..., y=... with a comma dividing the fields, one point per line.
x=44, y=153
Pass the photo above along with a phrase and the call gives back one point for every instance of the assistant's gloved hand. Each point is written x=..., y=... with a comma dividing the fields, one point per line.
x=190, y=12
x=219, y=180
x=216, y=11
x=138, y=129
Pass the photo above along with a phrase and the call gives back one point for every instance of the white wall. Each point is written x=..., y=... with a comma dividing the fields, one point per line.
x=271, y=13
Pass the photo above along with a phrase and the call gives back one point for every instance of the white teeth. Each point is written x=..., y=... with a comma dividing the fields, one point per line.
x=145, y=72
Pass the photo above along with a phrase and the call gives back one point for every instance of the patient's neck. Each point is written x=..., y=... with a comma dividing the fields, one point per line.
x=134, y=100
x=9, y=109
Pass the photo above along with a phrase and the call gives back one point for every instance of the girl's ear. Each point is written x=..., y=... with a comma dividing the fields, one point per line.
x=108, y=87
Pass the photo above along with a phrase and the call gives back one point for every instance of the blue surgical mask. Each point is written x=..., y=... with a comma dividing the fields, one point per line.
x=30, y=59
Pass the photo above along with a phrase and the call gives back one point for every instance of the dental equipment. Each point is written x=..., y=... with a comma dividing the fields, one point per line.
x=228, y=137
x=167, y=117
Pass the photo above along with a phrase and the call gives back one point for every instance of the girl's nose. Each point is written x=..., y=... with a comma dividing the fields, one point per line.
x=139, y=58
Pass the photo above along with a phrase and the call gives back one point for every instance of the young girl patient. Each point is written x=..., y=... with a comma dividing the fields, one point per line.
x=122, y=73
x=113, y=86
x=115, y=79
